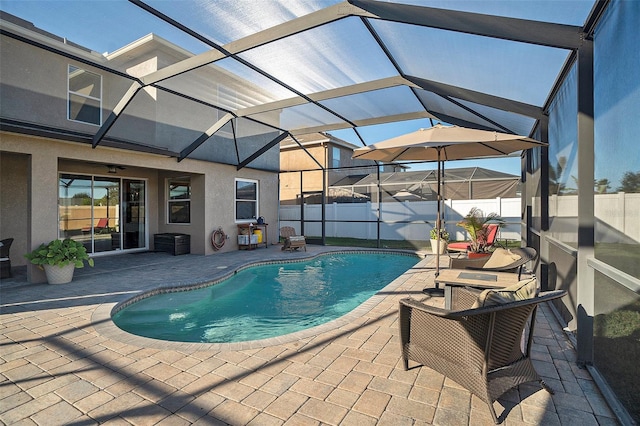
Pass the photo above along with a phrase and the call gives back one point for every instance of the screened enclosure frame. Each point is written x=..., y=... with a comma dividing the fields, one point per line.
x=438, y=100
x=553, y=35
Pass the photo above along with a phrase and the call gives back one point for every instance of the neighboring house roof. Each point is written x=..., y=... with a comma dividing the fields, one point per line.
x=458, y=183
x=350, y=180
x=322, y=138
x=409, y=177
x=314, y=139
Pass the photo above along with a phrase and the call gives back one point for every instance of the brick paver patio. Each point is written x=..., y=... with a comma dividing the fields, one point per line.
x=63, y=362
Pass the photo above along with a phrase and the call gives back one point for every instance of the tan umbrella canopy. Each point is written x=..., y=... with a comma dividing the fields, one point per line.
x=440, y=143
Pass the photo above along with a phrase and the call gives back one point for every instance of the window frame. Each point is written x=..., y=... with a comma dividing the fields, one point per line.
x=171, y=201
x=71, y=93
x=336, y=157
x=236, y=200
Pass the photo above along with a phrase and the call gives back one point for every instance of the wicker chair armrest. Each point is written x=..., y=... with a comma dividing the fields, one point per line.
x=432, y=310
x=465, y=313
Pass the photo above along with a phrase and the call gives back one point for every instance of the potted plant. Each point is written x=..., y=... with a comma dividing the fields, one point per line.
x=476, y=225
x=439, y=242
x=59, y=258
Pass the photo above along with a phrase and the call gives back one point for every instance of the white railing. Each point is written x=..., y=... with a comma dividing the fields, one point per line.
x=399, y=220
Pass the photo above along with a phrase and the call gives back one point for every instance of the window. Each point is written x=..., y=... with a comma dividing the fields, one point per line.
x=335, y=157
x=85, y=96
x=179, y=200
x=246, y=199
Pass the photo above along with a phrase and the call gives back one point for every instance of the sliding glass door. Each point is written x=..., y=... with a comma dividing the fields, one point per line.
x=104, y=213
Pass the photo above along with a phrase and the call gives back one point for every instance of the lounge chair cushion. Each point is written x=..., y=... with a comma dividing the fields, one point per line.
x=501, y=257
x=524, y=289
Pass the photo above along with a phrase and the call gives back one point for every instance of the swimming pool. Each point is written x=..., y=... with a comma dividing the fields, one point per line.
x=265, y=301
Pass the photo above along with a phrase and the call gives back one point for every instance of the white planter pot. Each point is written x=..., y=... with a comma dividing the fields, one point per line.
x=58, y=275
x=438, y=246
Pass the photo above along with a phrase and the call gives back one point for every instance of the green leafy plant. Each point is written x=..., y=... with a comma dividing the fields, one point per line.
x=444, y=235
x=60, y=253
x=475, y=223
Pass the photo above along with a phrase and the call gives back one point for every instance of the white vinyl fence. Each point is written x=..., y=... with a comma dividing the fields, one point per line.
x=617, y=217
x=399, y=220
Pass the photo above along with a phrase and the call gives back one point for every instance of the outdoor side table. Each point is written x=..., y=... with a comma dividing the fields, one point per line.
x=450, y=278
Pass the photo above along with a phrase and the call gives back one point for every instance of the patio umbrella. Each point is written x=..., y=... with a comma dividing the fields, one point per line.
x=441, y=143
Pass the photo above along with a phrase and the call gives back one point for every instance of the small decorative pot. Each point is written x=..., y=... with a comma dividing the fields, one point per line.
x=58, y=275
x=438, y=246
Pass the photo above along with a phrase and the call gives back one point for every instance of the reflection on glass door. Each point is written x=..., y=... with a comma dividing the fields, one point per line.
x=75, y=217
x=104, y=213
x=134, y=210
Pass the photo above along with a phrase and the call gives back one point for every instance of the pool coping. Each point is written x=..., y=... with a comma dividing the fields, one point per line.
x=104, y=325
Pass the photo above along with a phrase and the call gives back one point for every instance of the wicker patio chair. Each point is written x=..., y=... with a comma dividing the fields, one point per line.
x=291, y=240
x=481, y=349
x=521, y=256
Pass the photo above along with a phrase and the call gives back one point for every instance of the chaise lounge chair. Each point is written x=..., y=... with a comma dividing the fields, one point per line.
x=481, y=348
x=501, y=260
x=291, y=240
x=100, y=226
x=466, y=245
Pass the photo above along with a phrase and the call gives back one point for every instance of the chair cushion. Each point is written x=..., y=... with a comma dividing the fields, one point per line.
x=463, y=246
x=501, y=257
x=524, y=289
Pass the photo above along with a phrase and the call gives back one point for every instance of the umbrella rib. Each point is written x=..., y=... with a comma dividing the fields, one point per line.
x=494, y=148
x=400, y=154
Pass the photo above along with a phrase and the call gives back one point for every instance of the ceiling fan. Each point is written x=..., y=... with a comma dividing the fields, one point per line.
x=113, y=168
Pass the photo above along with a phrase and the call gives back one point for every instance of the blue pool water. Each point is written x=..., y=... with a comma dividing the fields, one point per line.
x=265, y=301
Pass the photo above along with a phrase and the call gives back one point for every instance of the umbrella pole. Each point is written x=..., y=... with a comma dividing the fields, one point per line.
x=436, y=291
x=438, y=219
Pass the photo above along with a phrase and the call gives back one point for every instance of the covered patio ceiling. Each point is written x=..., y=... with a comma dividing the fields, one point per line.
x=294, y=67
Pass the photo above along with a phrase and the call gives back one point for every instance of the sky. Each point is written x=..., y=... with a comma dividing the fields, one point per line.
x=80, y=21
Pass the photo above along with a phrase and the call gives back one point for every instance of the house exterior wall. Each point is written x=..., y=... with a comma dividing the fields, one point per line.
x=36, y=94
x=14, y=173
x=298, y=159
x=30, y=202
x=294, y=158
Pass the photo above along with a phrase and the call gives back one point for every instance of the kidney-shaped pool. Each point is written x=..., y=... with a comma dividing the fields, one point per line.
x=266, y=300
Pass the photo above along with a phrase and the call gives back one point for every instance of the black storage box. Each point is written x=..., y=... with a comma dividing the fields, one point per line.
x=172, y=243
